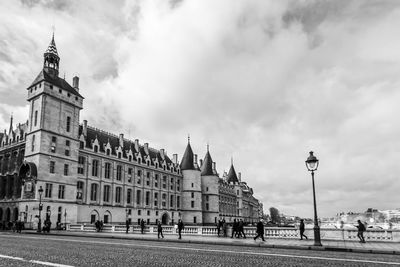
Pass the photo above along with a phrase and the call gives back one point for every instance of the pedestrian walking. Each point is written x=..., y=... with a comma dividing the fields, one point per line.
x=219, y=226
x=180, y=228
x=101, y=225
x=241, y=229
x=361, y=230
x=260, y=230
x=142, y=226
x=302, y=229
x=127, y=226
x=159, y=230
x=225, y=228
x=234, y=228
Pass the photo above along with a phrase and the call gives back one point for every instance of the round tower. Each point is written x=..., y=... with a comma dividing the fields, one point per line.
x=191, y=188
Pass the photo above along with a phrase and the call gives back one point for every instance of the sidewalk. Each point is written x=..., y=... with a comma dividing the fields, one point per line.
x=328, y=245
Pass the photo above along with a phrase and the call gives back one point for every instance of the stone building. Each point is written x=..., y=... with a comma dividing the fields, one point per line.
x=88, y=174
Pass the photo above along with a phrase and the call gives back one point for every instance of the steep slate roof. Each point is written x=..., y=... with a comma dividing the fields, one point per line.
x=207, y=165
x=187, y=162
x=52, y=49
x=57, y=81
x=232, y=177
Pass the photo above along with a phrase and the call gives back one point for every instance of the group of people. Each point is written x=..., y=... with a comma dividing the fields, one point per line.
x=99, y=225
x=238, y=229
x=222, y=225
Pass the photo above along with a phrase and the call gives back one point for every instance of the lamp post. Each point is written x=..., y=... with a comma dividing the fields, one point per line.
x=312, y=165
x=40, y=209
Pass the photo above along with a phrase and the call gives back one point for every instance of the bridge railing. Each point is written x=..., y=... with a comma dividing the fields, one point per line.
x=381, y=235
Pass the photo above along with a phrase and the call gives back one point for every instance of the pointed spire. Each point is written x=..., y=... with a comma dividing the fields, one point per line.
x=207, y=167
x=232, y=177
x=11, y=124
x=187, y=162
x=51, y=59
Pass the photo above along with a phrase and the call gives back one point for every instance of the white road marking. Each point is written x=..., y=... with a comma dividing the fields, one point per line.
x=34, y=261
x=210, y=250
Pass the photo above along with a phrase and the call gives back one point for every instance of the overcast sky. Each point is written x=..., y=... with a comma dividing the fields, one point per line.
x=262, y=81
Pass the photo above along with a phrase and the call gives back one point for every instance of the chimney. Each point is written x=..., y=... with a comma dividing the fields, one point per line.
x=84, y=131
x=175, y=158
x=121, y=140
x=146, y=148
x=195, y=158
x=75, y=83
x=137, y=145
x=162, y=153
x=201, y=163
x=240, y=177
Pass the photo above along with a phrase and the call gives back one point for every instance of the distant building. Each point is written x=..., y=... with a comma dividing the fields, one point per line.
x=88, y=174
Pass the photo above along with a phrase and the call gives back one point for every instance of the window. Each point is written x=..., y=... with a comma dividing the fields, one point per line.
x=130, y=171
x=81, y=144
x=139, y=173
x=68, y=124
x=118, y=195
x=119, y=155
x=36, y=115
x=53, y=144
x=66, y=169
x=207, y=188
x=148, y=174
x=147, y=198
x=192, y=194
x=96, y=148
x=192, y=204
x=164, y=197
x=95, y=167
x=67, y=149
x=192, y=185
x=194, y=219
x=119, y=172
x=207, y=206
x=178, y=201
x=81, y=162
x=139, y=212
x=138, y=197
x=156, y=180
x=52, y=166
x=171, y=202
x=79, y=187
x=129, y=196
x=156, y=199
x=48, y=191
x=106, y=194
x=33, y=143
x=61, y=189
x=164, y=185
x=148, y=213
x=107, y=167
x=93, y=192
x=130, y=158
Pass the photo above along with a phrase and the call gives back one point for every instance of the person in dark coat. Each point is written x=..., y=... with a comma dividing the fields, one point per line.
x=180, y=228
x=234, y=228
x=142, y=226
x=260, y=230
x=302, y=229
x=127, y=226
x=219, y=226
x=361, y=230
x=241, y=229
x=225, y=228
x=159, y=230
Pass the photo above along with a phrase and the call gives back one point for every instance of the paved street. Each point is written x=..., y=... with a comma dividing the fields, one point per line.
x=40, y=250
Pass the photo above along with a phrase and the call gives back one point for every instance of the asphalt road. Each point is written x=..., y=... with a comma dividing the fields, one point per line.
x=34, y=250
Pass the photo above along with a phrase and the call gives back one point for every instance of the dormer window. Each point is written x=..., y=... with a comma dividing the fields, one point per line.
x=108, y=152
x=69, y=95
x=119, y=155
x=96, y=148
x=139, y=161
x=60, y=91
x=51, y=87
x=130, y=158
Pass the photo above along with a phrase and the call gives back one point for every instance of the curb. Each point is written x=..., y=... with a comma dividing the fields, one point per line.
x=262, y=245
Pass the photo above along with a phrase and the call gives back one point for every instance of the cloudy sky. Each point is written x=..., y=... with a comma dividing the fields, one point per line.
x=262, y=81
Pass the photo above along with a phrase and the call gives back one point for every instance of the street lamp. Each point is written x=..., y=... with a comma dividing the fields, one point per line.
x=312, y=165
x=40, y=209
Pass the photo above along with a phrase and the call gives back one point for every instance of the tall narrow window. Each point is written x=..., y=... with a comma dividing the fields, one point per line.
x=68, y=123
x=138, y=197
x=93, y=192
x=79, y=191
x=95, y=167
x=147, y=198
x=119, y=172
x=33, y=143
x=48, y=191
x=53, y=144
x=66, y=169
x=107, y=168
x=52, y=166
x=129, y=196
x=81, y=162
x=118, y=195
x=106, y=195
x=36, y=115
x=178, y=202
x=61, y=190
x=67, y=147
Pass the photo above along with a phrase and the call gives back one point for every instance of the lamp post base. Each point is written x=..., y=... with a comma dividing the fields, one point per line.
x=39, y=230
x=317, y=236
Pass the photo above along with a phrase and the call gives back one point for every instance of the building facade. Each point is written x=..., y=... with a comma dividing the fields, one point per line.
x=88, y=174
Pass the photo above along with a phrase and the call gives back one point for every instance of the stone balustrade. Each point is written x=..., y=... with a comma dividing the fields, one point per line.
x=270, y=232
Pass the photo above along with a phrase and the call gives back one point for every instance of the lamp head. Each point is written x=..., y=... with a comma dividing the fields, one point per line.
x=312, y=162
x=40, y=190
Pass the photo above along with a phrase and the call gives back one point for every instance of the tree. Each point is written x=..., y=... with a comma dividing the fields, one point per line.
x=274, y=212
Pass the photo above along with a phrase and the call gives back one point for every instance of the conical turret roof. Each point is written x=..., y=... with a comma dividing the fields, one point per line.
x=206, y=168
x=232, y=177
x=187, y=162
x=52, y=49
